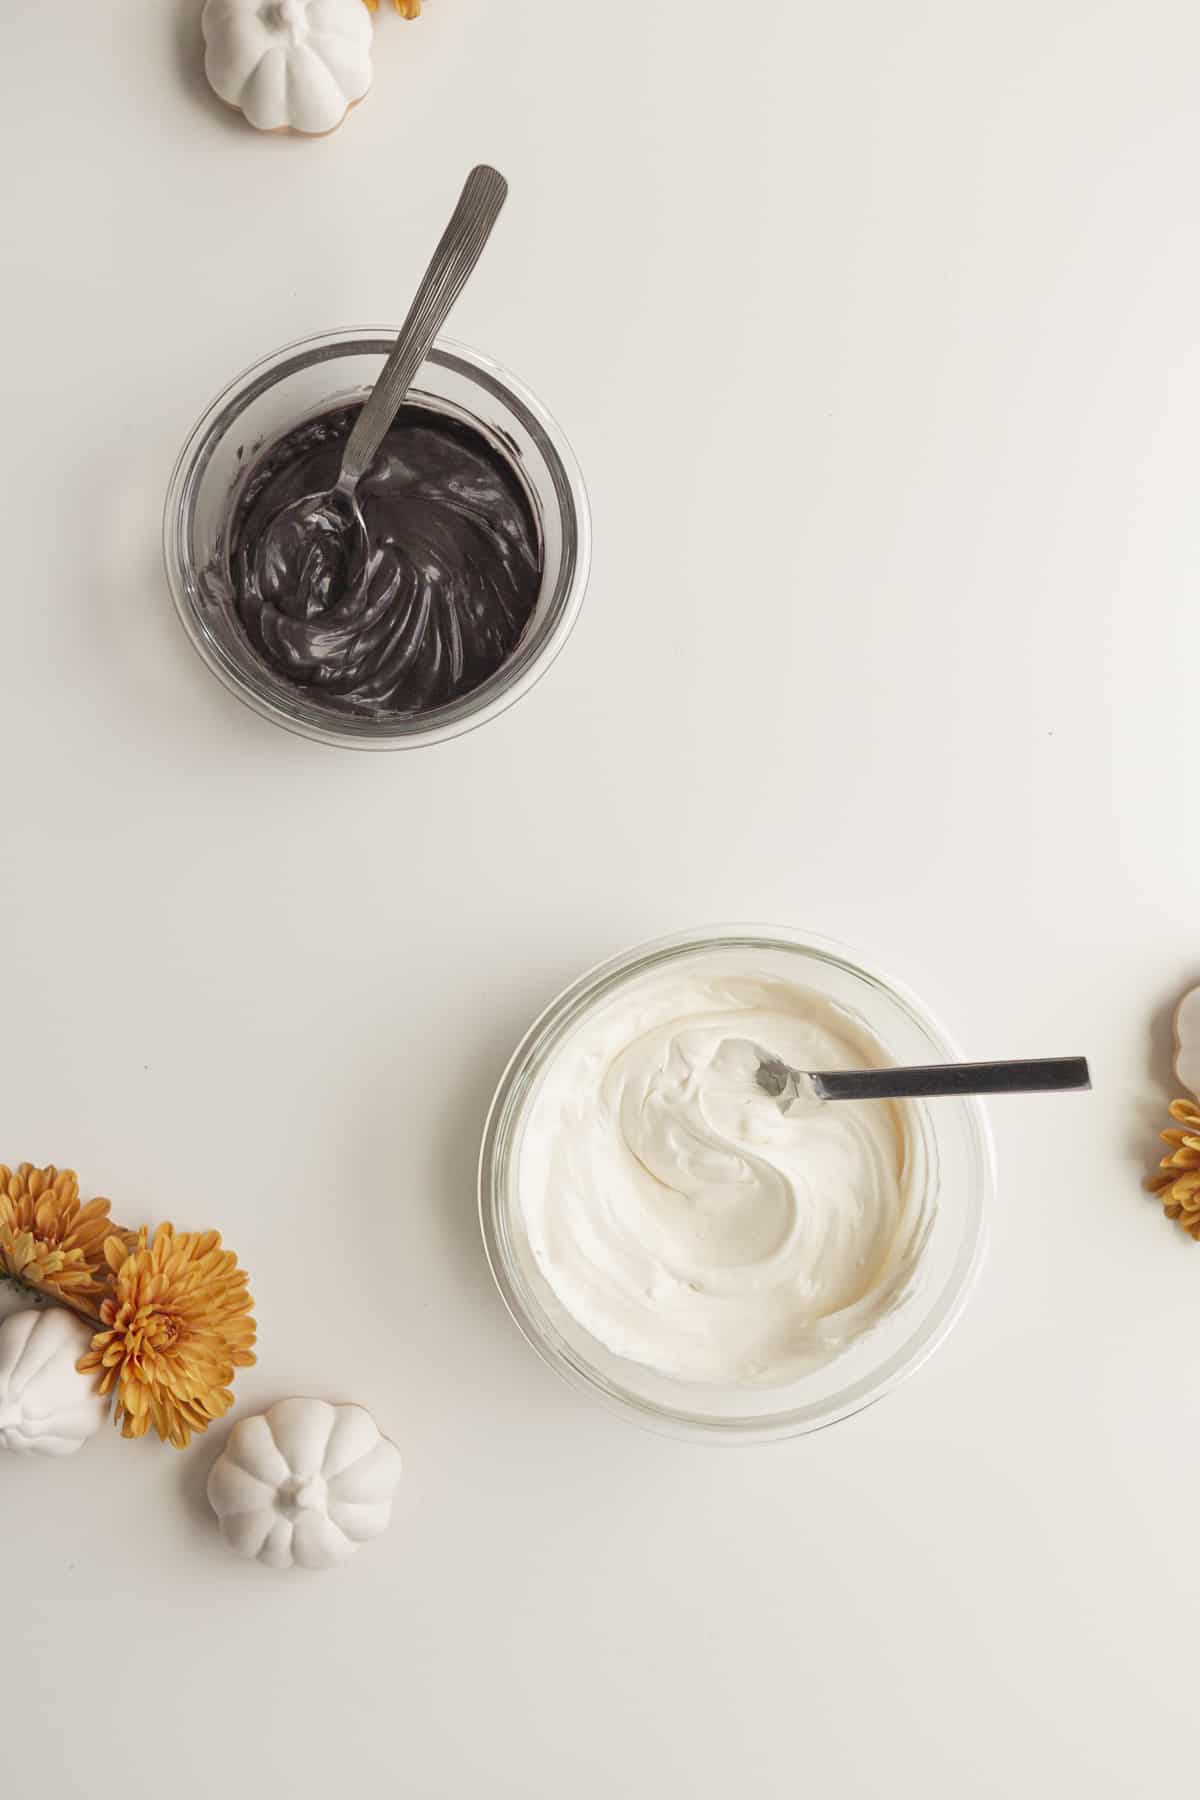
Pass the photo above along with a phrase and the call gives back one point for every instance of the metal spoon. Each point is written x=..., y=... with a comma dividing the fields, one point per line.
x=316, y=541
x=787, y=1085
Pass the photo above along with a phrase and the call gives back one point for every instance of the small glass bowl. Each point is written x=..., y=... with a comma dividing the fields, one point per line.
x=309, y=377
x=952, y=1167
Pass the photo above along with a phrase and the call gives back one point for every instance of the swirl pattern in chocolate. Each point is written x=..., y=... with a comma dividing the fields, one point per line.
x=449, y=583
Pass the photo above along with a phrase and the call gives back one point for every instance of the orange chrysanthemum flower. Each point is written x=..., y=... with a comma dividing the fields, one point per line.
x=1177, y=1178
x=51, y=1243
x=408, y=9
x=179, y=1323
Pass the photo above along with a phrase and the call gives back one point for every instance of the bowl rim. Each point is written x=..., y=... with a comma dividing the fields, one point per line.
x=264, y=372
x=661, y=1421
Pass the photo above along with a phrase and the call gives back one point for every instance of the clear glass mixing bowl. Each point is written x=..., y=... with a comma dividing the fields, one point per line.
x=952, y=1169
x=309, y=377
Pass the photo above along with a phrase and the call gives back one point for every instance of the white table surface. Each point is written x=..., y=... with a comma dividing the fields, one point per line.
x=875, y=328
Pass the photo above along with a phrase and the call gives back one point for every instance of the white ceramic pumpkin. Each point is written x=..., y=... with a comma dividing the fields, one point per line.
x=295, y=65
x=304, y=1483
x=1187, y=1042
x=46, y=1406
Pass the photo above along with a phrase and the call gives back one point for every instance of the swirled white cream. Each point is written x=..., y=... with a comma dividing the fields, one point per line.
x=680, y=1217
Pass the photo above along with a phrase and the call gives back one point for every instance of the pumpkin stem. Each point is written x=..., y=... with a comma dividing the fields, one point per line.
x=32, y=1294
x=37, y=1297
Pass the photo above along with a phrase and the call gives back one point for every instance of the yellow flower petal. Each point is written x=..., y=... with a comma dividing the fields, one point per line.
x=179, y=1322
x=49, y=1241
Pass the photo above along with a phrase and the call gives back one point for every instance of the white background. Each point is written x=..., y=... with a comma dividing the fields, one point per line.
x=876, y=328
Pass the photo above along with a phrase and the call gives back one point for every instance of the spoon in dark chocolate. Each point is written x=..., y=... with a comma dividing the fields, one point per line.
x=310, y=551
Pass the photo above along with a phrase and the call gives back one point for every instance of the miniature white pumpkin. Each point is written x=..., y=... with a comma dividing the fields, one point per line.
x=294, y=65
x=1187, y=1042
x=305, y=1482
x=46, y=1405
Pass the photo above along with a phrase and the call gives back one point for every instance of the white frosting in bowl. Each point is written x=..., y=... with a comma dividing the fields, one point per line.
x=680, y=1217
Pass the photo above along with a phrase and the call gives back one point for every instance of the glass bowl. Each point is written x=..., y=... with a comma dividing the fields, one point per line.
x=951, y=1169
x=308, y=377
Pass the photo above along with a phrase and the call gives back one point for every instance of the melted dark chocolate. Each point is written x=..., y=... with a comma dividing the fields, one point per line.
x=450, y=579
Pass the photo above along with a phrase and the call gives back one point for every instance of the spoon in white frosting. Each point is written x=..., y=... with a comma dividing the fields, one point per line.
x=787, y=1085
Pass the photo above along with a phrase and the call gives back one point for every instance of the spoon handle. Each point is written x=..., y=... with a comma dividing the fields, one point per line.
x=460, y=248
x=1055, y=1072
